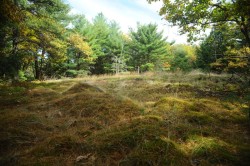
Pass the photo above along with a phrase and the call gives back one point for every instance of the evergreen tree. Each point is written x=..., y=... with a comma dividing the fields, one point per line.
x=98, y=41
x=115, y=60
x=79, y=52
x=147, y=47
x=183, y=57
x=12, y=16
x=106, y=42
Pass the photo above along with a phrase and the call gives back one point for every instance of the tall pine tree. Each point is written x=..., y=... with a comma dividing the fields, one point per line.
x=147, y=47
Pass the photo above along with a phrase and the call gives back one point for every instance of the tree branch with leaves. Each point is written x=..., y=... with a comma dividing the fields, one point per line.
x=195, y=16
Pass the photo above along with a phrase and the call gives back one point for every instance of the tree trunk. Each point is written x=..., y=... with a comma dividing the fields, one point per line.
x=245, y=33
x=244, y=29
x=37, y=70
x=15, y=41
x=78, y=61
x=16, y=65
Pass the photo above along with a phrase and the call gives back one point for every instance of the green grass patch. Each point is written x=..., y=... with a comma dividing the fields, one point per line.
x=159, y=151
x=172, y=103
x=211, y=149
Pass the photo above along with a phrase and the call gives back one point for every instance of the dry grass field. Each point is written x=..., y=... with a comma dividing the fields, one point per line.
x=151, y=119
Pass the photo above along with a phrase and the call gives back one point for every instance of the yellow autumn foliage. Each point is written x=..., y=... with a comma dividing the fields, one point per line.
x=77, y=41
x=238, y=58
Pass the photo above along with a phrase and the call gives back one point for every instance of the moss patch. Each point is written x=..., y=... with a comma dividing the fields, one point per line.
x=159, y=151
x=211, y=149
x=175, y=104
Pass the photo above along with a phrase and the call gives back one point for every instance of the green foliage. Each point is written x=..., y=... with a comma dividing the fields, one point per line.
x=195, y=16
x=183, y=58
x=235, y=61
x=146, y=46
x=116, y=50
x=76, y=73
x=98, y=40
x=147, y=67
x=106, y=43
x=21, y=76
x=35, y=34
x=44, y=39
x=215, y=46
x=82, y=73
x=71, y=73
x=79, y=53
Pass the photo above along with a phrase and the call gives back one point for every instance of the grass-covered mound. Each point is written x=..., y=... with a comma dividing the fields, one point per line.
x=139, y=120
x=210, y=151
x=142, y=141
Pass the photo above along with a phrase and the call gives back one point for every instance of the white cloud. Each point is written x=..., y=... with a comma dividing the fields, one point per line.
x=127, y=13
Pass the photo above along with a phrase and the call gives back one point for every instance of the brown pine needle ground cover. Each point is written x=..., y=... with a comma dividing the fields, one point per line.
x=153, y=119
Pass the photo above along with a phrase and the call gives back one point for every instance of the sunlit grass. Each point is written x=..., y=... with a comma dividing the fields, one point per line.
x=149, y=119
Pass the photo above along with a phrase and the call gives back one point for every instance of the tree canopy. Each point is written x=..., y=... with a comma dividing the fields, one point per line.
x=195, y=16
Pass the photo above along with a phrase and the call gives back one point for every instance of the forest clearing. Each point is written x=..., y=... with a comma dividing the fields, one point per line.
x=125, y=82
x=149, y=119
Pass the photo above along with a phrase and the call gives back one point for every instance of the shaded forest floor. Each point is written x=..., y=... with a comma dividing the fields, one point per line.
x=151, y=119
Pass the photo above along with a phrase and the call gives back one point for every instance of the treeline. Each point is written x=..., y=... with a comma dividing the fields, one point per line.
x=39, y=39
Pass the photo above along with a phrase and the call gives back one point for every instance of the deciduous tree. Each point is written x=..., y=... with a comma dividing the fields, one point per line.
x=194, y=16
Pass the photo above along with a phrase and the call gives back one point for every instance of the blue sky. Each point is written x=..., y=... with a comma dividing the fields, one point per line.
x=127, y=13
